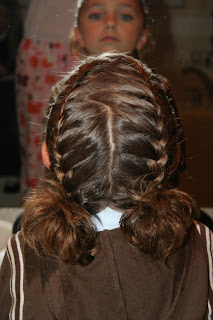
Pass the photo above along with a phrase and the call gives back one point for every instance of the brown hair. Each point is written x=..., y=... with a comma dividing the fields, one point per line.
x=112, y=138
x=76, y=49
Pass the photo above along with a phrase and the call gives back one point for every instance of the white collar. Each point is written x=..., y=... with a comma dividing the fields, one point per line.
x=107, y=219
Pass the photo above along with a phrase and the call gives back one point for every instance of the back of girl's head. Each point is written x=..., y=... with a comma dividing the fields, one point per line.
x=111, y=132
x=112, y=138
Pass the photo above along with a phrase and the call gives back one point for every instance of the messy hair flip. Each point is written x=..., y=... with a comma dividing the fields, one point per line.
x=113, y=140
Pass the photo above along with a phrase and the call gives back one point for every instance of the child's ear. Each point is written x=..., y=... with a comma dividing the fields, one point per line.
x=78, y=37
x=45, y=155
x=143, y=39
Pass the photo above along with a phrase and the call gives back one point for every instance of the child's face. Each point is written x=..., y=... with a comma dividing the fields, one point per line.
x=106, y=25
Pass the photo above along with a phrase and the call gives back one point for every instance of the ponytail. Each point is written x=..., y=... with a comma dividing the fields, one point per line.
x=54, y=225
x=159, y=221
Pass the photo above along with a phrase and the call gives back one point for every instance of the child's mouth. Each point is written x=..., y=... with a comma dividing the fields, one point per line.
x=110, y=39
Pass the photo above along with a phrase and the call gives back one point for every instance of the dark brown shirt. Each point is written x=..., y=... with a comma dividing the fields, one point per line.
x=121, y=283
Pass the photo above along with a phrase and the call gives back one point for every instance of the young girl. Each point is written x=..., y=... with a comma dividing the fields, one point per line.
x=107, y=25
x=106, y=236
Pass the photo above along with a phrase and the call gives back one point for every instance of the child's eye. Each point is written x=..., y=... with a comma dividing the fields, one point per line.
x=95, y=16
x=126, y=17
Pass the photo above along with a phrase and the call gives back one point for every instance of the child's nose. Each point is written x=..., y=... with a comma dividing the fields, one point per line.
x=110, y=22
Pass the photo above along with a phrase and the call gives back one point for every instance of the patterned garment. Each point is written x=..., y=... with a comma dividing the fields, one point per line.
x=39, y=65
x=121, y=283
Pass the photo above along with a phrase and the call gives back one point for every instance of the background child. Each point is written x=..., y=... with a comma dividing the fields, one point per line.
x=110, y=231
x=103, y=26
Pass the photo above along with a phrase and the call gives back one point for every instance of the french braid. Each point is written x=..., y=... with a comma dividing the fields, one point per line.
x=158, y=222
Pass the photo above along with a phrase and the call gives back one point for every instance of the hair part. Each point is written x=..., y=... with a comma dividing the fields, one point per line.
x=112, y=137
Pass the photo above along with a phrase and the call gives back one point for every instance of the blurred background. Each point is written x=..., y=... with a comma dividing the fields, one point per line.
x=183, y=32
